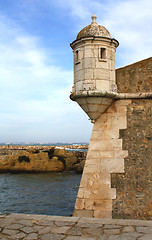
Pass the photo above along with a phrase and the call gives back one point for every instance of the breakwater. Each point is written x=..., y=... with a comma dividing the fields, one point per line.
x=41, y=159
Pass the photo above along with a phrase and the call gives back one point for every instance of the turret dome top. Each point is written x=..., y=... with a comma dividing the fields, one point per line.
x=94, y=29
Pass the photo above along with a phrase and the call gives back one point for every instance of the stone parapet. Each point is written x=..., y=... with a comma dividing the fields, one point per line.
x=42, y=227
x=135, y=78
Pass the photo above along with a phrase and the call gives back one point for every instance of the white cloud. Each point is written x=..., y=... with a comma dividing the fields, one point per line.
x=34, y=94
x=76, y=8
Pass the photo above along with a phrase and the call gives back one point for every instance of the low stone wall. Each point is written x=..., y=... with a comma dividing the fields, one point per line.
x=42, y=227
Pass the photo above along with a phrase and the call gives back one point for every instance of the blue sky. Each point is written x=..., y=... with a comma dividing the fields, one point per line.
x=36, y=62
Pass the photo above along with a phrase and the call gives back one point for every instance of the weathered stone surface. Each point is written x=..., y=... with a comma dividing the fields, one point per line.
x=86, y=224
x=82, y=213
x=144, y=229
x=109, y=226
x=145, y=237
x=9, y=231
x=112, y=231
x=97, y=231
x=128, y=229
x=52, y=236
x=134, y=194
x=26, y=222
x=74, y=228
x=32, y=236
x=120, y=237
x=61, y=230
x=104, y=237
x=28, y=230
x=20, y=235
x=44, y=230
x=43, y=223
x=132, y=234
x=2, y=236
x=105, y=156
x=76, y=231
x=14, y=226
x=79, y=238
x=64, y=223
x=136, y=77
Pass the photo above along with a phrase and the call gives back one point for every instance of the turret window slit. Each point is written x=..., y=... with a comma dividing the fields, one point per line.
x=102, y=54
x=77, y=57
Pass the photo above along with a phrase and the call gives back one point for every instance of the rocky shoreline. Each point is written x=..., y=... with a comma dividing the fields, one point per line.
x=41, y=159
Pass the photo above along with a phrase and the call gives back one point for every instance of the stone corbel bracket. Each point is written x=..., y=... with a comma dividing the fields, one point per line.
x=95, y=103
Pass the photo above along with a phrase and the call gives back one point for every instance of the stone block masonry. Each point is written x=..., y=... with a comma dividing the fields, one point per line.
x=135, y=78
x=134, y=187
x=105, y=156
x=41, y=227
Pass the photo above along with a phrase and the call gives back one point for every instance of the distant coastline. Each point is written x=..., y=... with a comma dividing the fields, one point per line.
x=44, y=146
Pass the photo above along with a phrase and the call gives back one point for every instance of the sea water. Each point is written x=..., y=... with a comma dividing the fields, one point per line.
x=41, y=193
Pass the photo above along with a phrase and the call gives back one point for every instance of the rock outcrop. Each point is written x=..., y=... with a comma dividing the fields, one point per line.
x=46, y=160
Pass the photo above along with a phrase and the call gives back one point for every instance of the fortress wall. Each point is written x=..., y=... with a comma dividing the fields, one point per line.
x=135, y=78
x=134, y=187
x=105, y=156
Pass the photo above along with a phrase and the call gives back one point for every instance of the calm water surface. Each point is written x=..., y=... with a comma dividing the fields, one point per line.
x=42, y=193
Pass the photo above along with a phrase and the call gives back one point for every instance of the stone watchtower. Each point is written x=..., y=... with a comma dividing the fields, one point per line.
x=120, y=138
x=94, y=69
x=94, y=90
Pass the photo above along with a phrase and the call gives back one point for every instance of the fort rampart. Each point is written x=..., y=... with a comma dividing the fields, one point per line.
x=134, y=186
